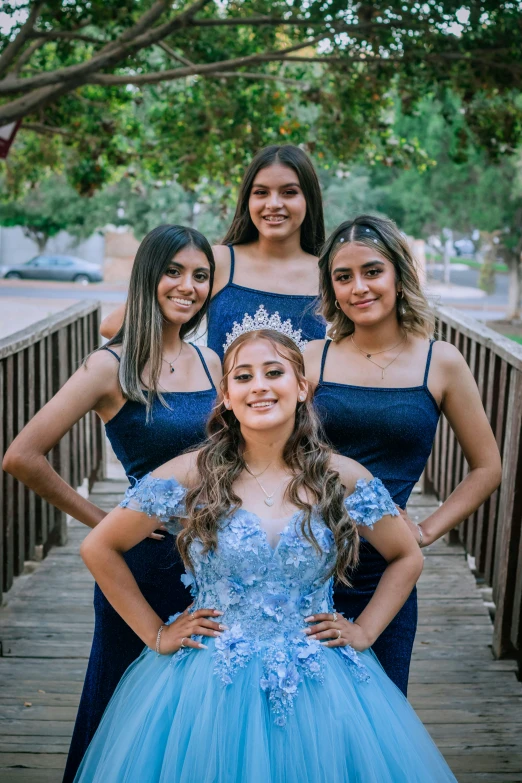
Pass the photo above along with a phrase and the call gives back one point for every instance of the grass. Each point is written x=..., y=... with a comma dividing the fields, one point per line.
x=516, y=337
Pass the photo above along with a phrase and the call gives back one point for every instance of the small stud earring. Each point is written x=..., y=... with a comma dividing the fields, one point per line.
x=337, y=304
x=226, y=404
x=302, y=397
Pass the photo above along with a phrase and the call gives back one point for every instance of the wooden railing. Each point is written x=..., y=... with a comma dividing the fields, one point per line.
x=493, y=534
x=34, y=364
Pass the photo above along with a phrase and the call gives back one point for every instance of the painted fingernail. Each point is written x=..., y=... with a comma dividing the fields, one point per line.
x=324, y=644
x=313, y=636
x=307, y=619
x=307, y=630
x=203, y=646
x=216, y=611
x=217, y=633
x=223, y=627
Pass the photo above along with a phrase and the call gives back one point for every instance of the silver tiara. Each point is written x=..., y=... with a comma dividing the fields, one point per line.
x=262, y=320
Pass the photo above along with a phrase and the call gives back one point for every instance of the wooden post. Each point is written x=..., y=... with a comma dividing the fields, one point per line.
x=34, y=364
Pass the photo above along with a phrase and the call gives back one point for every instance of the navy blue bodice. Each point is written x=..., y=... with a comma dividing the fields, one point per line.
x=389, y=431
x=234, y=301
x=143, y=446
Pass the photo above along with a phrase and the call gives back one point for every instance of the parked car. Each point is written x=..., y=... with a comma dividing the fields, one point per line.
x=54, y=267
x=464, y=247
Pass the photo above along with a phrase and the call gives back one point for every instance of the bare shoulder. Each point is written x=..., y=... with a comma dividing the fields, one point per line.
x=102, y=365
x=312, y=355
x=349, y=471
x=212, y=359
x=213, y=363
x=222, y=259
x=182, y=468
x=447, y=356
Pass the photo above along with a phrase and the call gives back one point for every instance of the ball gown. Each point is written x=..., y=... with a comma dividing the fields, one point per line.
x=263, y=703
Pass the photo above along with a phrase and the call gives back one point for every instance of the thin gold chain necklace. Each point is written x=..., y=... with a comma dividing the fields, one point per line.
x=368, y=356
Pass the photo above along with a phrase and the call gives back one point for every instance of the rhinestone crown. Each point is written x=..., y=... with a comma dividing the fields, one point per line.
x=262, y=320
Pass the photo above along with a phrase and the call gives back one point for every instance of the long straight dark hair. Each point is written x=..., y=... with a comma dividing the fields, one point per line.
x=141, y=333
x=242, y=230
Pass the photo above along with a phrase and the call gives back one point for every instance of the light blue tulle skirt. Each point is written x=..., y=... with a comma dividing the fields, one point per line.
x=171, y=720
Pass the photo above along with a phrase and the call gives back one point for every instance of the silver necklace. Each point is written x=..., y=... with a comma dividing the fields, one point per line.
x=269, y=498
x=173, y=362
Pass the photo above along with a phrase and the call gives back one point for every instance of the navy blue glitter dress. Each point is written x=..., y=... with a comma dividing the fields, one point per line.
x=234, y=301
x=141, y=447
x=390, y=432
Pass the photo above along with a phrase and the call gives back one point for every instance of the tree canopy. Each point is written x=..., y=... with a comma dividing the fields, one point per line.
x=193, y=88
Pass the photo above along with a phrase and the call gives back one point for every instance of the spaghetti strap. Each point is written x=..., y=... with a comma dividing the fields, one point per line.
x=428, y=362
x=105, y=348
x=232, y=264
x=327, y=344
x=203, y=362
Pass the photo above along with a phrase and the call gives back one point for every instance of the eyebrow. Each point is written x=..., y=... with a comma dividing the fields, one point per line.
x=288, y=185
x=363, y=266
x=181, y=266
x=265, y=364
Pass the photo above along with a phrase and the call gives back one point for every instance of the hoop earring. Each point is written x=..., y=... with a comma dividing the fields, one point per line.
x=337, y=304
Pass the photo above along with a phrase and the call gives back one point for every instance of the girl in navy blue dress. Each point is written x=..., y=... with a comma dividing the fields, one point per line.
x=154, y=392
x=269, y=255
x=381, y=383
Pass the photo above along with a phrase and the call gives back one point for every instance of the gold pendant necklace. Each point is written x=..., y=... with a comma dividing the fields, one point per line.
x=368, y=356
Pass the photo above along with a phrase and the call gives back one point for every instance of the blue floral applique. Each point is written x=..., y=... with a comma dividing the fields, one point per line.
x=233, y=652
x=285, y=665
x=370, y=502
x=157, y=497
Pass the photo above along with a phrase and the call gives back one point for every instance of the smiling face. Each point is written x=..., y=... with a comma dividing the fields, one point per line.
x=262, y=386
x=277, y=204
x=364, y=283
x=184, y=287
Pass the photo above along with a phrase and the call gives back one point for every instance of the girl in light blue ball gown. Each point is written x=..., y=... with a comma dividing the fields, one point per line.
x=260, y=680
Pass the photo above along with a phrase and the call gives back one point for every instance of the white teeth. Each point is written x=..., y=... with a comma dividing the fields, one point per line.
x=275, y=218
x=267, y=404
x=183, y=302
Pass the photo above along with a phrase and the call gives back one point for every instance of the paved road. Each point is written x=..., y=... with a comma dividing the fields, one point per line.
x=469, y=277
x=35, y=290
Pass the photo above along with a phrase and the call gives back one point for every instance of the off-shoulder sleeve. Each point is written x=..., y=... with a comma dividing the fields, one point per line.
x=157, y=497
x=370, y=502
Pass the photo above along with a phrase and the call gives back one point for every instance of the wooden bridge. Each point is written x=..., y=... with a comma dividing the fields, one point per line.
x=463, y=682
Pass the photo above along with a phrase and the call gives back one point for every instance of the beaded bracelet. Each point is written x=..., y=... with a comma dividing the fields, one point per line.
x=158, y=639
x=421, y=535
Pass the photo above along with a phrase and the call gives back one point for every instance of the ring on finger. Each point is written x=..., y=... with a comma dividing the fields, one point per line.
x=334, y=617
x=338, y=633
x=183, y=642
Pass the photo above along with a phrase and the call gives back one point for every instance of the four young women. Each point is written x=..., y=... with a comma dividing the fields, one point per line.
x=380, y=383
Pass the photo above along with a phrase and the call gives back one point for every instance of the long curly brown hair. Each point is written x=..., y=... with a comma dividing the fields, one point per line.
x=313, y=485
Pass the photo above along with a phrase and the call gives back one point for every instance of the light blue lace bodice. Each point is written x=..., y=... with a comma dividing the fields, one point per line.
x=264, y=592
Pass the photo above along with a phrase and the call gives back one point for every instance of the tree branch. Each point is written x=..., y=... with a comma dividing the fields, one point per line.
x=67, y=35
x=203, y=68
x=12, y=49
x=171, y=53
x=40, y=127
x=26, y=56
x=111, y=54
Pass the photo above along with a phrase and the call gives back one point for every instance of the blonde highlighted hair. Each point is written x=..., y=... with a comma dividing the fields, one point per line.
x=313, y=485
x=414, y=313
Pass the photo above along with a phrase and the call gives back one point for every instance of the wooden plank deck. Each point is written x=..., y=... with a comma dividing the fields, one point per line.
x=470, y=703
